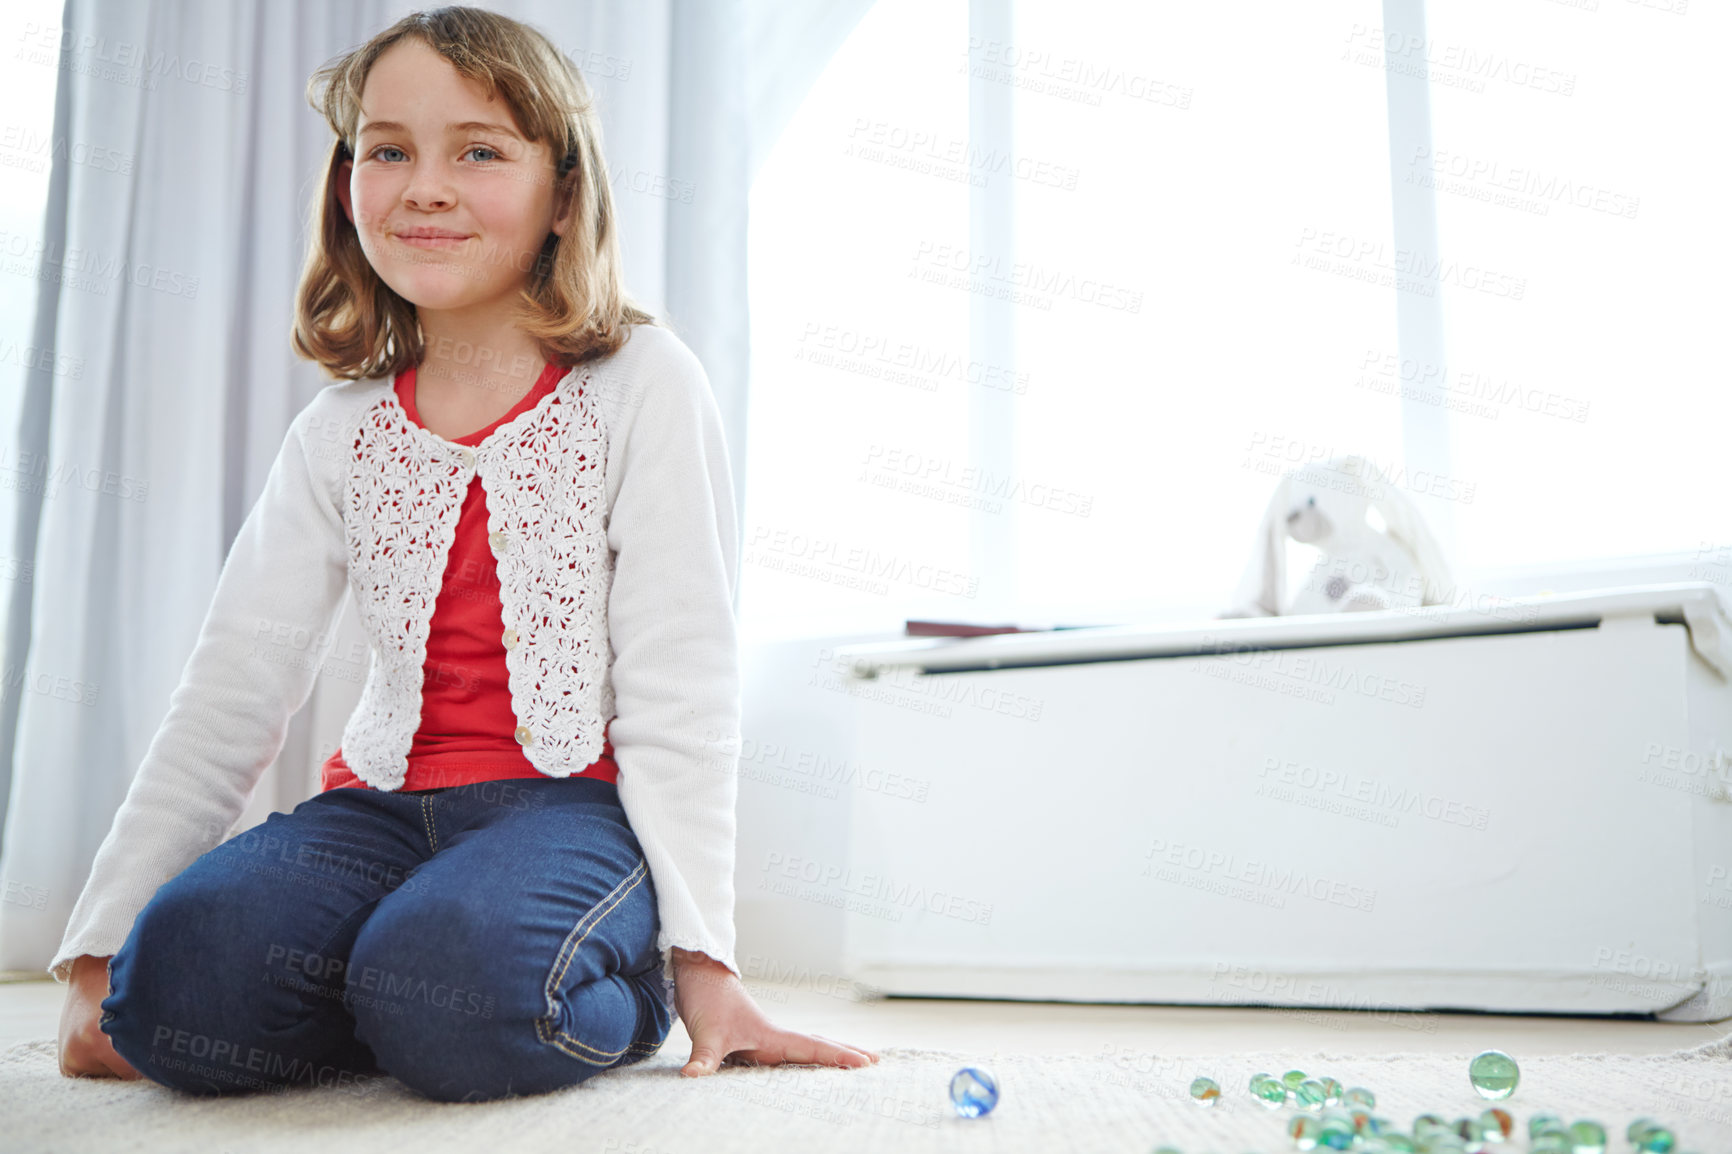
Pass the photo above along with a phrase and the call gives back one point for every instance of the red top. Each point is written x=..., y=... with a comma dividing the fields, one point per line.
x=467, y=723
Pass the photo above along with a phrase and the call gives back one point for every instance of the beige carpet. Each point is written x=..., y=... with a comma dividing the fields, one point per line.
x=1122, y=1100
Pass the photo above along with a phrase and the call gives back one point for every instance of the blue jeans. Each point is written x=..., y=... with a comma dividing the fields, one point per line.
x=473, y=942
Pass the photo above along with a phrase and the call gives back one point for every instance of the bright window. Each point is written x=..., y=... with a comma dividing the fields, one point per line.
x=1200, y=270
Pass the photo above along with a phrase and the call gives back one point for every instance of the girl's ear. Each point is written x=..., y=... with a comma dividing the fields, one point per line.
x=564, y=207
x=343, y=171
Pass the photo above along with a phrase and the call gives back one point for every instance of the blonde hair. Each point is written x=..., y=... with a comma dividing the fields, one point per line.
x=575, y=306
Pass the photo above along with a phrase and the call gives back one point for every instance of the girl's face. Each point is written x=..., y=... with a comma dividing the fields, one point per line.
x=424, y=162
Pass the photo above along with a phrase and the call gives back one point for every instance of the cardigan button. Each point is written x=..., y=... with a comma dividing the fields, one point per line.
x=510, y=638
x=467, y=456
x=524, y=737
x=498, y=541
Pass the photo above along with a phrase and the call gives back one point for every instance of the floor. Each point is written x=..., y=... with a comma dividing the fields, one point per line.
x=30, y=1009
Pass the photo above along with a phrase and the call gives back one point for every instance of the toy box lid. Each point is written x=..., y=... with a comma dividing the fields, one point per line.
x=1698, y=605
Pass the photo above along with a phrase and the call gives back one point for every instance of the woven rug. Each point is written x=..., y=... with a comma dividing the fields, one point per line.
x=1121, y=1099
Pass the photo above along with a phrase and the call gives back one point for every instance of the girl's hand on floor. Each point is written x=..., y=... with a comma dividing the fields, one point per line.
x=727, y=1026
x=84, y=1049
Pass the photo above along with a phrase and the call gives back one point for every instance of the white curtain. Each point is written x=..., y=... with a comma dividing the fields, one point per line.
x=173, y=279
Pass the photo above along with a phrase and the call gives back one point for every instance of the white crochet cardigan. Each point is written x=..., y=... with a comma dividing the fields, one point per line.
x=611, y=516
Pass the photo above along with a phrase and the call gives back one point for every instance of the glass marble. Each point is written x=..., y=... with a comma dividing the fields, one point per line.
x=1204, y=1091
x=1309, y=1095
x=1587, y=1137
x=1494, y=1075
x=1397, y=1143
x=1496, y=1125
x=1359, y=1098
x=1551, y=1142
x=1428, y=1124
x=1272, y=1093
x=1303, y=1130
x=1337, y=1132
x=1636, y=1127
x=1541, y=1123
x=1257, y=1080
x=973, y=1091
x=1331, y=1091
x=1656, y=1140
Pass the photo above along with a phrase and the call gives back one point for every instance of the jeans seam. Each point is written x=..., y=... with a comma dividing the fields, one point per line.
x=427, y=820
x=562, y=962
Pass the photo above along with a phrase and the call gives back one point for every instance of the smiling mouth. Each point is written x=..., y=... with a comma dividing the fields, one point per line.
x=431, y=241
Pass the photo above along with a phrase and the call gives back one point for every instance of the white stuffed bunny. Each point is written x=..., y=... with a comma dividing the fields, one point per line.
x=1331, y=506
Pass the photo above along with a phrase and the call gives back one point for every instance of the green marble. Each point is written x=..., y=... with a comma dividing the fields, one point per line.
x=1309, y=1095
x=1494, y=1074
x=1272, y=1093
x=1542, y=1123
x=1338, y=1131
x=1359, y=1098
x=1428, y=1123
x=1205, y=1092
x=1496, y=1125
x=1331, y=1091
x=1656, y=1140
x=1303, y=1129
x=1587, y=1137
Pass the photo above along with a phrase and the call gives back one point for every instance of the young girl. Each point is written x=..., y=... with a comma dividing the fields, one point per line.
x=520, y=864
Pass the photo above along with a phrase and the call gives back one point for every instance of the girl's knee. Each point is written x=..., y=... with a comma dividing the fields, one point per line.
x=457, y=1044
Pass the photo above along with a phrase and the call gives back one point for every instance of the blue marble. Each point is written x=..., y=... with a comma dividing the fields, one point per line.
x=973, y=1091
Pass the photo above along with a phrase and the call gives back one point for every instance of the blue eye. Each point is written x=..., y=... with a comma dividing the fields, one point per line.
x=472, y=148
